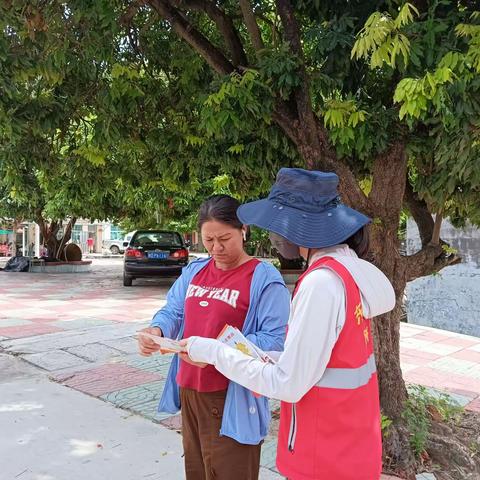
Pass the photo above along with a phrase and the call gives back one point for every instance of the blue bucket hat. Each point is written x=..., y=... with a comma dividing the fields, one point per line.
x=304, y=207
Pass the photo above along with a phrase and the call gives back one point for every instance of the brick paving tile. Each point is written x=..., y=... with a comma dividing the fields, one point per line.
x=474, y=406
x=419, y=353
x=142, y=399
x=432, y=336
x=107, y=378
x=442, y=380
x=470, y=355
x=413, y=359
x=173, y=423
x=460, y=342
x=13, y=322
x=456, y=365
x=27, y=330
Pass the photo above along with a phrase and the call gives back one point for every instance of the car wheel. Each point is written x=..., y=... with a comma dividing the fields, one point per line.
x=127, y=280
x=115, y=250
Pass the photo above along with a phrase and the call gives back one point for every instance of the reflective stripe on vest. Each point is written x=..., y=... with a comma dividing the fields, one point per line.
x=348, y=378
x=341, y=378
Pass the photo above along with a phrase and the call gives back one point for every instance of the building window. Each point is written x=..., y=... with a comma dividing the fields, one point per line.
x=76, y=233
x=116, y=233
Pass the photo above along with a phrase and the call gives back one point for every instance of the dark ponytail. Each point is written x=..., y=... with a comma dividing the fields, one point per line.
x=359, y=242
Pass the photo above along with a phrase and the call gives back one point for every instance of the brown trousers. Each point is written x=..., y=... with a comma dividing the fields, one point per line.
x=208, y=455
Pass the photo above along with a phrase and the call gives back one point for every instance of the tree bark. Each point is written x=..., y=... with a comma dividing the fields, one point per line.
x=420, y=213
x=212, y=55
x=436, y=229
x=49, y=232
x=67, y=235
x=224, y=24
x=307, y=124
x=251, y=24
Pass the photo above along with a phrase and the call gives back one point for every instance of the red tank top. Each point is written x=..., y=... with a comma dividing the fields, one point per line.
x=214, y=298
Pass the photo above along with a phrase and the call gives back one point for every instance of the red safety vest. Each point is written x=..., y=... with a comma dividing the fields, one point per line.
x=333, y=432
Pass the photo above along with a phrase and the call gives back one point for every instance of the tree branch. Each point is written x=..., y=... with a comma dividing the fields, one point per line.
x=420, y=213
x=224, y=24
x=130, y=12
x=212, y=55
x=430, y=259
x=251, y=25
x=307, y=125
x=350, y=190
x=436, y=229
x=285, y=119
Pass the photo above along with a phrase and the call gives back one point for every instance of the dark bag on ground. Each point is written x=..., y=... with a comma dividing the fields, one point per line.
x=17, y=264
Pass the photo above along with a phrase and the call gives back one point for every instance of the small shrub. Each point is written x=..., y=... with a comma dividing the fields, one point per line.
x=421, y=408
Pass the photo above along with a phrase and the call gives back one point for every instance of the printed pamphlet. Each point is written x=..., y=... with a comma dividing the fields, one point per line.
x=233, y=337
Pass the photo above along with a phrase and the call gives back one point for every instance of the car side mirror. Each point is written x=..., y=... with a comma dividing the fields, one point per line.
x=125, y=244
x=187, y=243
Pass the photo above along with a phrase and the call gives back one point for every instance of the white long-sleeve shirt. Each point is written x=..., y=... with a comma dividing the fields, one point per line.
x=317, y=316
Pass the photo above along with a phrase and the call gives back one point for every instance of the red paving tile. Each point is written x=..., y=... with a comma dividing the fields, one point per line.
x=460, y=342
x=28, y=330
x=107, y=378
x=419, y=353
x=430, y=336
x=173, y=423
x=474, y=406
x=470, y=355
x=49, y=318
x=414, y=359
x=434, y=378
x=67, y=308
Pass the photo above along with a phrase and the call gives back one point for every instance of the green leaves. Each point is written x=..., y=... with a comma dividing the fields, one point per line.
x=382, y=40
x=342, y=113
x=416, y=95
x=472, y=32
x=240, y=101
x=92, y=154
x=279, y=69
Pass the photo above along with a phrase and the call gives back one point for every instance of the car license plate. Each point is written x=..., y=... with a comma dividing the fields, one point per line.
x=158, y=255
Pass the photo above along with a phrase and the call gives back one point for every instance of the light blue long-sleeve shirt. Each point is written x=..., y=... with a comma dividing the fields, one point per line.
x=245, y=418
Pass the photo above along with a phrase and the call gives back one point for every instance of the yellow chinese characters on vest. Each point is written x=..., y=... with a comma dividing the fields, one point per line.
x=360, y=320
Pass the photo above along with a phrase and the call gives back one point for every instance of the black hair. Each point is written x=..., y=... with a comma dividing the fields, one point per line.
x=222, y=208
x=359, y=242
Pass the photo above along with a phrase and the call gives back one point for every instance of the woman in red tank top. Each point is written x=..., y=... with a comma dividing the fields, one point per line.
x=326, y=376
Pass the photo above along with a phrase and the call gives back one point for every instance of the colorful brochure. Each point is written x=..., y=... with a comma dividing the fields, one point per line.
x=233, y=337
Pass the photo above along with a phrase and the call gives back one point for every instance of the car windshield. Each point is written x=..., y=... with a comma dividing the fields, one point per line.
x=157, y=239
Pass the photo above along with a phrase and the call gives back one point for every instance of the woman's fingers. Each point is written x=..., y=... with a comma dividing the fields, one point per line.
x=146, y=345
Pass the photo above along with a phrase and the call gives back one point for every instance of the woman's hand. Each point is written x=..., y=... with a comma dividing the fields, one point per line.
x=146, y=345
x=186, y=358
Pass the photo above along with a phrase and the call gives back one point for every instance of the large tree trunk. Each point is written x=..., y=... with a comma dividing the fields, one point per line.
x=398, y=456
x=49, y=231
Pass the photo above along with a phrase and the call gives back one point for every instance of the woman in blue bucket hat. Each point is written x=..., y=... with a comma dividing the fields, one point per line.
x=326, y=376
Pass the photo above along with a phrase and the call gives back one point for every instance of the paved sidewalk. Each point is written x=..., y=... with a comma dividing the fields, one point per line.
x=79, y=329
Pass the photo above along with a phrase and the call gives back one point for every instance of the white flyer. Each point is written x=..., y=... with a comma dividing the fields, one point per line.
x=166, y=344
